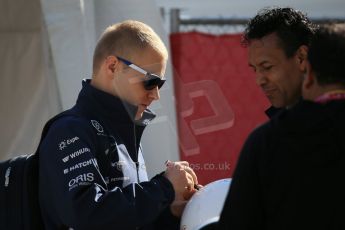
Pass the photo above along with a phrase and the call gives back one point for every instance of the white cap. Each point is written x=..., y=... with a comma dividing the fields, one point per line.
x=205, y=205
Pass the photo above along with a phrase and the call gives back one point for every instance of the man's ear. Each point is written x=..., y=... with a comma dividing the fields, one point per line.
x=309, y=77
x=309, y=84
x=302, y=57
x=111, y=64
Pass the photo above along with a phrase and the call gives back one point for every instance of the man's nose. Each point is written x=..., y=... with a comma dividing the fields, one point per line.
x=260, y=79
x=154, y=93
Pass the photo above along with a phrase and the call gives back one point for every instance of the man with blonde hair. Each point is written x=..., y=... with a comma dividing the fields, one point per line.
x=92, y=170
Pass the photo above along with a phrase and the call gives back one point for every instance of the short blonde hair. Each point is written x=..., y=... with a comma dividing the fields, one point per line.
x=125, y=39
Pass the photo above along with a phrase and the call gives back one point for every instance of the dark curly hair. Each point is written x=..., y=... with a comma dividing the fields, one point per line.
x=292, y=27
x=327, y=54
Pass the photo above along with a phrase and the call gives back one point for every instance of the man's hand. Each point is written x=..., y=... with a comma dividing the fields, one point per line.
x=181, y=176
x=183, y=179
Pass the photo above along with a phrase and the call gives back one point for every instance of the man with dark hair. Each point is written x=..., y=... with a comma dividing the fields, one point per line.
x=277, y=41
x=291, y=170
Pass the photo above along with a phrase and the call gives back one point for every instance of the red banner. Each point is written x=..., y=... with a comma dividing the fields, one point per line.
x=218, y=102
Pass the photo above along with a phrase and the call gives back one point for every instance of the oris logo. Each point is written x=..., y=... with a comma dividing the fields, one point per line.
x=83, y=179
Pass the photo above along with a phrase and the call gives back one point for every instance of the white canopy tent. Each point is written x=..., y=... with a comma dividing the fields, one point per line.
x=46, y=50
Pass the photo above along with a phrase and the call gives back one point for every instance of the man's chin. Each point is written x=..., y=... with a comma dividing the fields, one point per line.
x=283, y=103
x=277, y=104
x=139, y=113
x=138, y=116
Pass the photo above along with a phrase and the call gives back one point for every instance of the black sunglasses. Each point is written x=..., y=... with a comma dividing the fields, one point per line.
x=152, y=80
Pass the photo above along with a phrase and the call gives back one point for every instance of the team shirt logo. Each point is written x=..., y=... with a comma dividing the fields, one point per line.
x=97, y=126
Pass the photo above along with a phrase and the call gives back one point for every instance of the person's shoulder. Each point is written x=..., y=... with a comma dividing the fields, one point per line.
x=70, y=121
x=260, y=134
x=66, y=130
x=265, y=127
x=300, y=114
x=71, y=124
